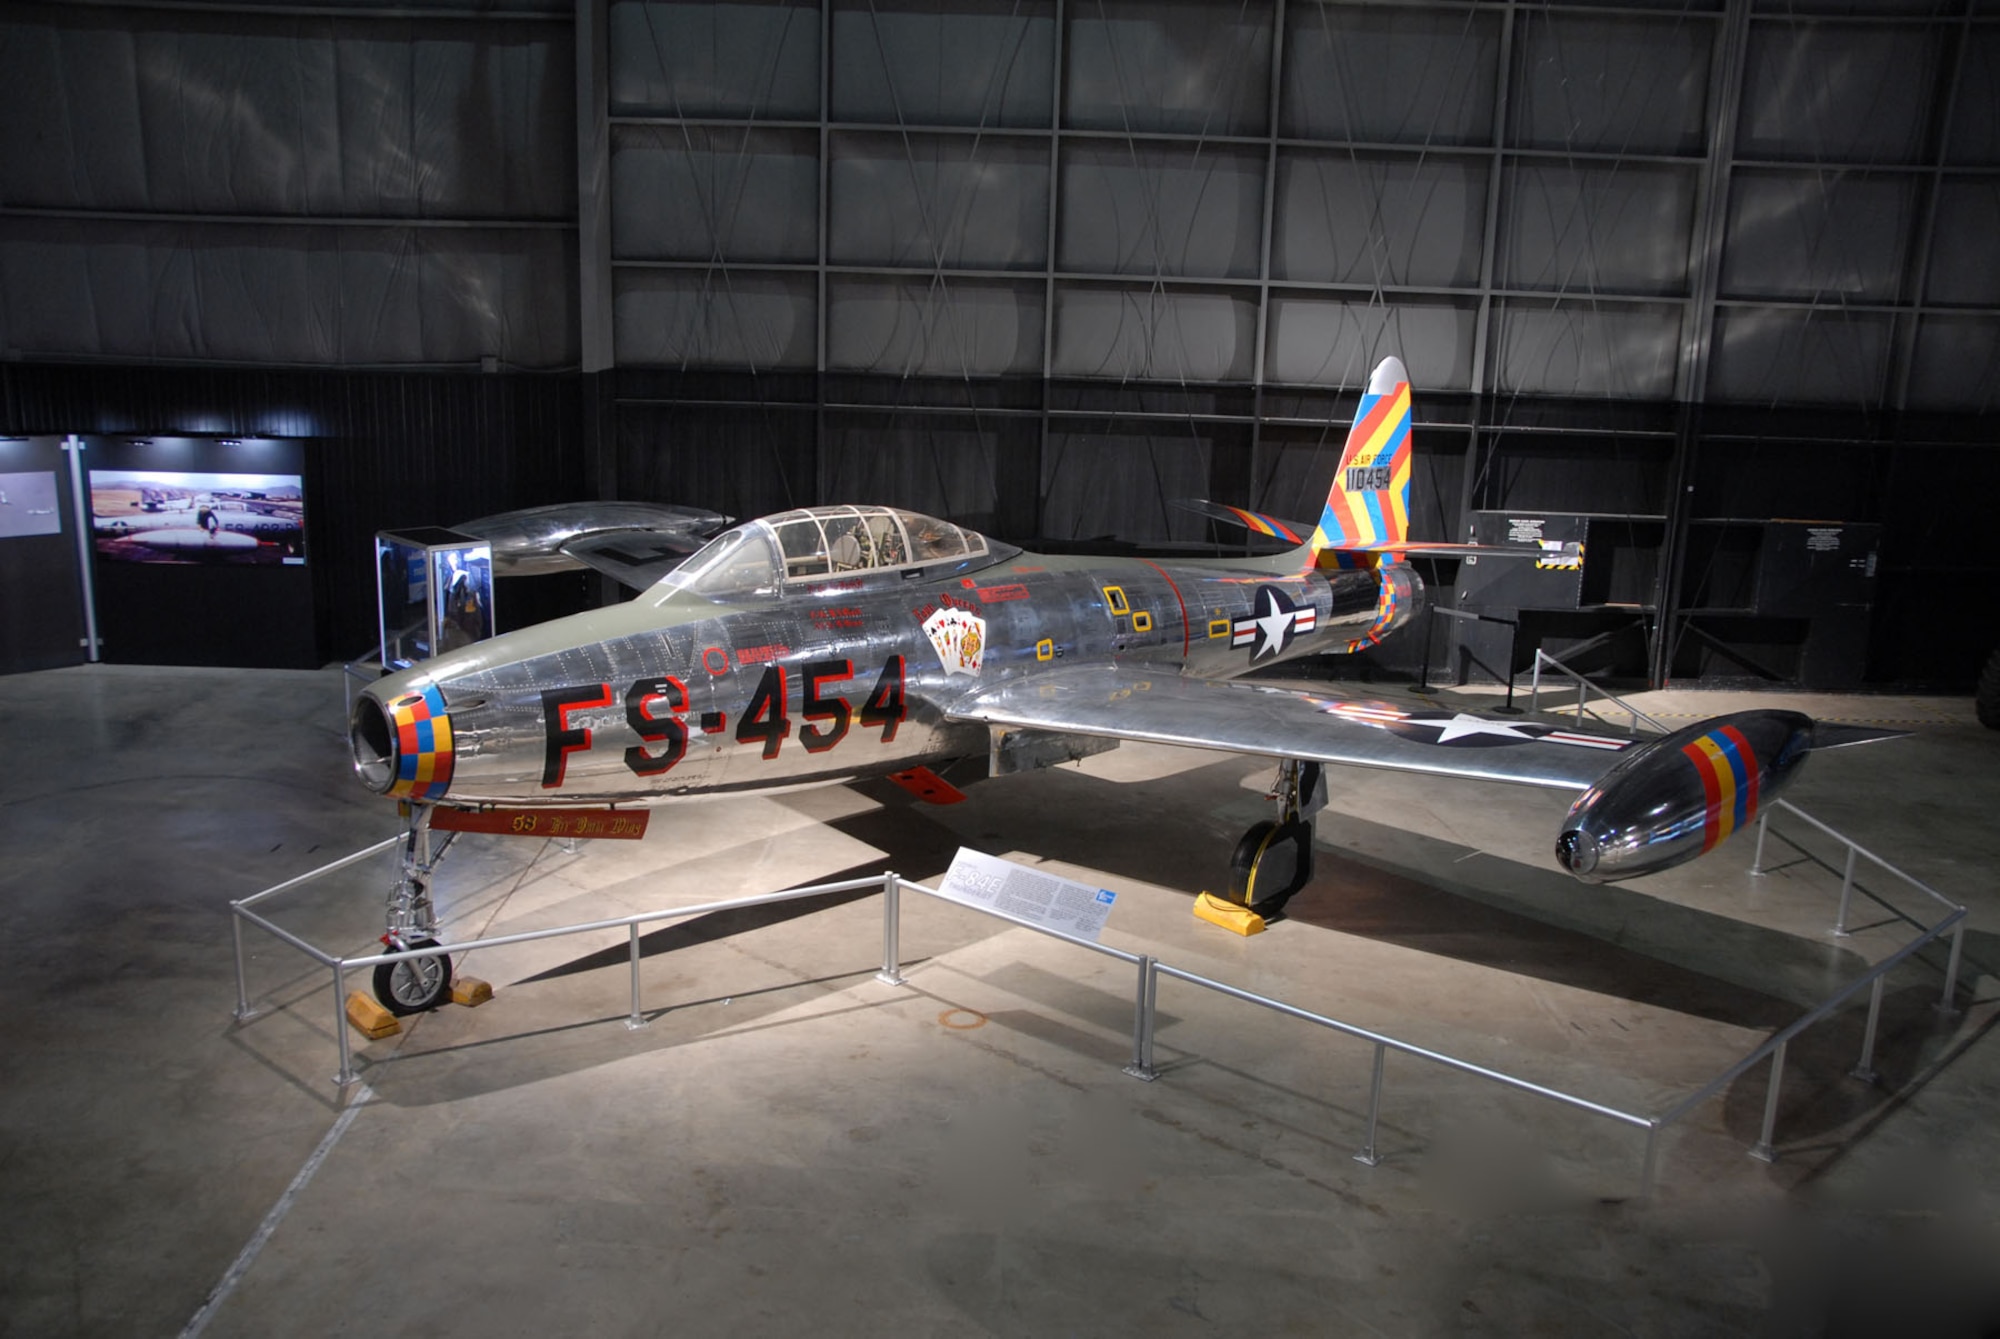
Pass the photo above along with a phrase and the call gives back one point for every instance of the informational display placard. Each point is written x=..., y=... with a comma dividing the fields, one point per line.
x=981, y=880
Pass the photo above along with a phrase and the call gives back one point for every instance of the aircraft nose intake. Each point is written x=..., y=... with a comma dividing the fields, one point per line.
x=373, y=744
x=1576, y=851
x=403, y=746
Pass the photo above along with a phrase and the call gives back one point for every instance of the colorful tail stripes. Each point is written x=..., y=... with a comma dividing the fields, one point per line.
x=1368, y=507
x=1392, y=609
x=1727, y=766
x=423, y=745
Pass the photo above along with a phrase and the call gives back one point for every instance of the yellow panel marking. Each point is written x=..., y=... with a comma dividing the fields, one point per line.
x=1114, y=599
x=1045, y=649
x=1218, y=627
x=1142, y=622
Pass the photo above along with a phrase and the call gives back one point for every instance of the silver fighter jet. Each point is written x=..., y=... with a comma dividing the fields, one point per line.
x=834, y=644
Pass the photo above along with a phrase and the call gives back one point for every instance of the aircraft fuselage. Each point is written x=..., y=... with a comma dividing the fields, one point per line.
x=825, y=680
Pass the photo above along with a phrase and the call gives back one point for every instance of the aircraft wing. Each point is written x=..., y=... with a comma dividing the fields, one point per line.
x=635, y=543
x=1242, y=716
x=635, y=558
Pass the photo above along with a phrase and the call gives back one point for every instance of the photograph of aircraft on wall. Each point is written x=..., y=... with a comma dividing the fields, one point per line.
x=28, y=505
x=837, y=644
x=177, y=516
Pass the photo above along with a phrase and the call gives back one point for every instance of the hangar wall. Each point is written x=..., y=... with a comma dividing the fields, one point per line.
x=389, y=450
x=1045, y=265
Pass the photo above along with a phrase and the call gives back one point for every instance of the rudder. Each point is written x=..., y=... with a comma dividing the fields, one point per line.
x=1367, y=512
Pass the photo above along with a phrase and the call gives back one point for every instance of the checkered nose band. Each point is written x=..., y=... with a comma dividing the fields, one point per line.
x=423, y=744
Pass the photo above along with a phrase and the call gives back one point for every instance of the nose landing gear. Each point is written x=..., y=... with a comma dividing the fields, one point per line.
x=414, y=985
x=1274, y=858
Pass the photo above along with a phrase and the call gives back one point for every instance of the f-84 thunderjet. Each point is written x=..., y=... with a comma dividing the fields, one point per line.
x=839, y=644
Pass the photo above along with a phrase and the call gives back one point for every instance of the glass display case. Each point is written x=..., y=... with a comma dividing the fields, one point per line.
x=434, y=590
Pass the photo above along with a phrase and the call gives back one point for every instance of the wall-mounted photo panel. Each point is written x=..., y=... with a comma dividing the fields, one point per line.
x=28, y=505
x=179, y=516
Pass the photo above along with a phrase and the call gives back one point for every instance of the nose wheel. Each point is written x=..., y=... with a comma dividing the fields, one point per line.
x=1274, y=858
x=414, y=985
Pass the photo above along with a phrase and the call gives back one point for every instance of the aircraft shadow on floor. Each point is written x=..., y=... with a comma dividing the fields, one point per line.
x=1674, y=957
x=919, y=850
x=1671, y=956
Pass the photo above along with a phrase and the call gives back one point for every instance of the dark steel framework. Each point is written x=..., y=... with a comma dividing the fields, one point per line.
x=1043, y=265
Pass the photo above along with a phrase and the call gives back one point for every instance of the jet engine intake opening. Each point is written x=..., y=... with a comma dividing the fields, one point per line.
x=373, y=743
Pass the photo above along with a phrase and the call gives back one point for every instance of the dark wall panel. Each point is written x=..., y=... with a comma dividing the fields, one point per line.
x=388, y=450
x=41, y=596
x=385, y=450
x=159, y=607
x=742, y=460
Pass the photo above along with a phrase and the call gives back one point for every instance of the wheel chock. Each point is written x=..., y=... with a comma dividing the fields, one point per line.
x=369, y=1018
x=1229, y=915
x=470, y=991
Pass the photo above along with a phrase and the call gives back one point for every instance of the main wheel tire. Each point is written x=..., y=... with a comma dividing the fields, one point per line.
x=1988, y=700
x=1272, y=862
x=414, y=985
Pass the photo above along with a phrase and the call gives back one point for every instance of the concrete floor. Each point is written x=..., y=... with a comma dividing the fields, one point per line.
x=790, y=1145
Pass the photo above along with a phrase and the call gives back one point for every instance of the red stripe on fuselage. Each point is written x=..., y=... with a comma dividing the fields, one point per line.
x=1177, y=600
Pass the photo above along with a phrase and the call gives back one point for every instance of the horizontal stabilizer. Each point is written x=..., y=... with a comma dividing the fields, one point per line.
x=1256, y=522
x=1568, y=554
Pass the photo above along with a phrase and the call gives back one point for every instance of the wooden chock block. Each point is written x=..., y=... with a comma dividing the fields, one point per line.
x=369, y=1018
x=1236, y=919
x=470, y=991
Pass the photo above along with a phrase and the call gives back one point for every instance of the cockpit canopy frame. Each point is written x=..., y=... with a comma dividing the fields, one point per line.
x=813, y=544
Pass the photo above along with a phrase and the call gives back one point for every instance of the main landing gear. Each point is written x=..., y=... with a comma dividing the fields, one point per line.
x=1274, y=859
x=414, y=985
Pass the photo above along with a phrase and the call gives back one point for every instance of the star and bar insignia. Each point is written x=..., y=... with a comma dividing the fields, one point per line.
x=1274, y=623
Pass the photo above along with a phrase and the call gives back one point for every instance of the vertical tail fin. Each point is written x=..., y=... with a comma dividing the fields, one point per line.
x=1367, y=511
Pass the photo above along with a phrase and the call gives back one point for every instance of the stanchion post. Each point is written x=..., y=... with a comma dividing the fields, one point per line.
x=346, y=1074
x=242, y=992
x=1764, y=1150
x=1513, y=656
x=1846, y=896
x=1864, y=1069
x=637, y=1018
x=1945, y=1005
x=1650, y=1167
x=1757, y=861
x=1430, y=631
x=892, y=916
x=1535, y=684
x=1142, y=1022
x=1368, y=1156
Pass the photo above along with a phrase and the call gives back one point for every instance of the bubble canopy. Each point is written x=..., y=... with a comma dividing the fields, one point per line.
x=815, y=543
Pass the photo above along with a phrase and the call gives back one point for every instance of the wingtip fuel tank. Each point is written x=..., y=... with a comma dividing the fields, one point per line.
x=1680, y=795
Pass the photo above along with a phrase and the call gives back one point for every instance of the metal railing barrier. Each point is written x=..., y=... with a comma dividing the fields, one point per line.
x=1584, y=689
x=1146, y=989
x=1437, y=611
x=364, y=669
